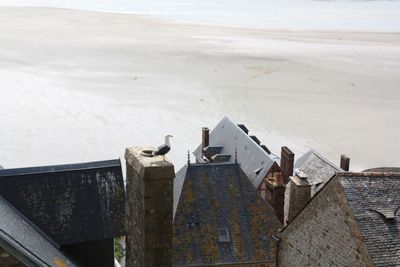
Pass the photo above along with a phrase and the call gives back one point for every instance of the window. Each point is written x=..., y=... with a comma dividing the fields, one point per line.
x=223, y=235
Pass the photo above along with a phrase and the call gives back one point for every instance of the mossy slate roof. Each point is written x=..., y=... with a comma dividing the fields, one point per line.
x=70, y=203
x=218, y=196
x=26, y=242
x=375, y=201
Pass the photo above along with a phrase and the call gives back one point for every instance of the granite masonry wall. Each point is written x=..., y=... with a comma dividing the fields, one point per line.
x=324, y=233
x=149, y=192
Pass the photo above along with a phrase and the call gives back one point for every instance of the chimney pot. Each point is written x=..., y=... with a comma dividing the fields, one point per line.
x=345, y=162
x=205, y=137
x=302, y=175
x=287, y=163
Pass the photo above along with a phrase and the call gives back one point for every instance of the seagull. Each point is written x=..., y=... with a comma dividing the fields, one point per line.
x=163, y=149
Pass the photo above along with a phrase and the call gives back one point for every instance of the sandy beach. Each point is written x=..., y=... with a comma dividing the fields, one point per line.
x=80, y=86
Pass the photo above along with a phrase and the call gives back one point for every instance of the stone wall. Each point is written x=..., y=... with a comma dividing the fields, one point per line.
x=149, y=192
x=324, y=234
x=297, y=195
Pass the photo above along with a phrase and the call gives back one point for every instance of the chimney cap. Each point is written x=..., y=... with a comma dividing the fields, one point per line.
x=302, y=175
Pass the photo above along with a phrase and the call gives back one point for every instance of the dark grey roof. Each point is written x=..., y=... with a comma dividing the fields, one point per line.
x=21, y=239
x=178, y=183
x=383, y=169
x=318, y=169
x=212, y=150
x=71, y=203
x=250, y=155
x=375, y=201
x=216, y=196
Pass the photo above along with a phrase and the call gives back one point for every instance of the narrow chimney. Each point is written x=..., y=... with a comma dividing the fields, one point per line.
x=278, y=196
x=298, y=193
x=278, y=179
x=205, y=139
x=345, y=162
x=287, y=163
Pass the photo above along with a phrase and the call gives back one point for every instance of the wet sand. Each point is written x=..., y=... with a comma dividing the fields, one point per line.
x=79, y=86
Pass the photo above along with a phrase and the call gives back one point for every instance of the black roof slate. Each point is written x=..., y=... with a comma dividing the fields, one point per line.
x=21, y=239
x=71, y=203
x=375, y=201
x=221, y=196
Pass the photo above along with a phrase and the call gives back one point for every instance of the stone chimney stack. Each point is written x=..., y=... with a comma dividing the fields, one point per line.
x=278, y=196
x=287, y=163
x=298, y=193
x=345, y=162
x=149, y=192
x=205, y=137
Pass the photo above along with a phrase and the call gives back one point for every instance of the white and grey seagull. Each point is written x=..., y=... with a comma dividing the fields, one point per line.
x=163, y=149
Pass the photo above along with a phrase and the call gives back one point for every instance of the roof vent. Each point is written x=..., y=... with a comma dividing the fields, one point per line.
x=255, y=139
x=265, y=148
x=223, y=235
x=218, y=158
x=387, y=213
x=210, y=151
x=257, y=171
x=244, y=128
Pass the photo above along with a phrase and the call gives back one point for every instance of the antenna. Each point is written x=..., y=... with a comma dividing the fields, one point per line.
x=188, y=157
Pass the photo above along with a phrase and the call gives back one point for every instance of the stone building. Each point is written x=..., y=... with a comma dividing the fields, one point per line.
x=228, y=143
x=221, y=220
x=64, y=215
x=353, y=220
x=312, y=171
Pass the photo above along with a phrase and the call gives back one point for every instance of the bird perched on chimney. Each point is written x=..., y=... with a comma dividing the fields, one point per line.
x=163, y=149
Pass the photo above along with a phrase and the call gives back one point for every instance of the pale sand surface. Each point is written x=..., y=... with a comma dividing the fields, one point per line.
x=79, y=86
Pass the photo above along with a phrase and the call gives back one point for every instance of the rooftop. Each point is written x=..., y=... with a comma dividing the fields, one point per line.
x=221, y=219
x=229, y=138
x=317, y=168
x=71, y=203
x=25, y=242
x=375, y=201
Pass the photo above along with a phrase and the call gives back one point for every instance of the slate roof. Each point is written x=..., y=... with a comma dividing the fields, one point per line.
x=317, y=168
x=383, y=169
x=375, y=201
x=70, y=203
x=178, y=184
x=215, y=196
x=250, y=154
x=21, y=239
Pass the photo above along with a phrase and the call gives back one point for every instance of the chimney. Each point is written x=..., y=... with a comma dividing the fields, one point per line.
x=298, y=193
x=149, y=200
x=287, y=163
x=278, y=196
x=205, y=139
x=345, y=162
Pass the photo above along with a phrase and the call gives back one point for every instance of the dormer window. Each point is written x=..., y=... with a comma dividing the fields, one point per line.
x=223, y=235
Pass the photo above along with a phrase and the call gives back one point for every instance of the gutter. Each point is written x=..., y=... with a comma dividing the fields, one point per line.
x=277, y=240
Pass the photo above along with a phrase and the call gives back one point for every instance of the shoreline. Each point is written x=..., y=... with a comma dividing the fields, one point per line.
x=168, y=19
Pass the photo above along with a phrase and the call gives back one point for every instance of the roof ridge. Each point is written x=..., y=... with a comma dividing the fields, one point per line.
x=60, y=168
x=325, y=159
x=368, y=174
